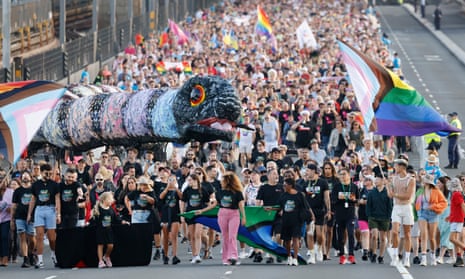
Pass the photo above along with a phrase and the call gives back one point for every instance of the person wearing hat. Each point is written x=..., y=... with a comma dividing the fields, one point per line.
x=453, y=148
x=432, y=167
x=430, y=202
x=378, y=211
x=317, y=194
x=306, y=130
x=456, y=216
x=402, y=190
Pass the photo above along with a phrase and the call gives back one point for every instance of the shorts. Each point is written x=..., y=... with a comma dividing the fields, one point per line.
x=402, y=214
x=456, y=227
x=381, y=225
x=428, y=215
x=290, y=231
x=320, y=220
x=24, y=227
x=245, y=148
x=45, y=216
x=277, y=225
x=363, y=226
x=104, y=236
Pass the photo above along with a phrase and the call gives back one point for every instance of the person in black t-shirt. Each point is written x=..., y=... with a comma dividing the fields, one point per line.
x=46, y=201
x=72, y=197
x=291, y=203
x=194, y=197
x=21, y=199
x=344, y=197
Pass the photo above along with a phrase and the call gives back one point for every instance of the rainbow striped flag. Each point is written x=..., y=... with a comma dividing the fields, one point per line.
x=163, y=39
x=263, y=26
x=23, y=108
x=182, y=37
x=389, y=106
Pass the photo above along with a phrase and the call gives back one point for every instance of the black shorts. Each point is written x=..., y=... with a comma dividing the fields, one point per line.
x=320, y=220
x=170, y=215
x=277, y=225
x=104, y=236
x=290, y=231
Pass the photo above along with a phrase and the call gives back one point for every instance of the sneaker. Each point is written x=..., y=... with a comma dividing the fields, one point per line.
x=406, y=263
x=183, y=240
x=319, y=255
x=252, y=254
x=451, y=260
x=175, y=260
x=416, y=260
x=459, y=262
x=381, y=260
x=157, y=255
x=342, y=260
x=101, y=264
x=243, y=255
x=373, y=258
x=352, y=259
x=25, y=264
x=309, y=252
x=234, y=262
x=311, y=259
x=289, y=260
x=395, y=261
x=107, y=261
x=365, y=256
x=294, y=262
x=269, y=260
x=423, y=261
x=358, y=246
x=193, y=261
x=258, y=258
x=198, y=259
x=440, y=260
x=166, y=260
x=40, y=265
x=433, y=259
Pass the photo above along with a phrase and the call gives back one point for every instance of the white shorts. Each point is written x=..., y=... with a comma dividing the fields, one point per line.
x=245, y=148
x=402, y=214
x=456, y=227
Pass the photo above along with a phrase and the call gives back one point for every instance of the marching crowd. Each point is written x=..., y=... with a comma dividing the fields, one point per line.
x=359, y=190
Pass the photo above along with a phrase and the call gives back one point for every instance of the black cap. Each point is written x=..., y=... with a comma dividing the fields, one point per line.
x=275, y=149
x=453, y=113
x=312, y=167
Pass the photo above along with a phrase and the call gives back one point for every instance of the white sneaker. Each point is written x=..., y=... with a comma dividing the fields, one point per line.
x=395, y=260
x=423, y=261
x=319, y=255
x=289, y=260
x=308, y=252
x=451, y=260
x=406, y=263
x=295, y=262
x=311, y=259
x=440, y=260
x=433, y=259
x=193, y=261
x=243, y=255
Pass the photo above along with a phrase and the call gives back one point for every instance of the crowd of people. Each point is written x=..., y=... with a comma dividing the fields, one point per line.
x=308, y=150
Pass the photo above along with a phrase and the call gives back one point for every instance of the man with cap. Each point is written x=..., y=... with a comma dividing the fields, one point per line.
x=402, y=190
x=306, y=130
x=316, y=192
x=453, y=148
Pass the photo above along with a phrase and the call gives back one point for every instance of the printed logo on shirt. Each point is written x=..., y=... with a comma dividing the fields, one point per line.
x=194, y=200
x=44, y=195
x=172, y=202
x=106, y=221
x=289, y=206
x=141, y=202
x=26, y=198
x=226, y=201
x=67, y=195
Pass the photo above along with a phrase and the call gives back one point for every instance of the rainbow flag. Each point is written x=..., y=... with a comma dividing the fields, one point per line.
x=263, y=26
x=23, y=108
x=182, y=37
x=163, y=40
x=389, y=106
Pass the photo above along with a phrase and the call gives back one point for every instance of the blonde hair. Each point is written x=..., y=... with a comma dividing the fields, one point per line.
x=103, y=197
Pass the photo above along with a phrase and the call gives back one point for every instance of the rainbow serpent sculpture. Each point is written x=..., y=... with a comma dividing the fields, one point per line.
x=204, y=108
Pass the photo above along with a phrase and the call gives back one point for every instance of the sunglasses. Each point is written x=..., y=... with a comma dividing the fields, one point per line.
x=99, y=179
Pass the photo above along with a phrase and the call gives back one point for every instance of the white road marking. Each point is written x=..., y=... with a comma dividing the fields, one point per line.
x=51, y=277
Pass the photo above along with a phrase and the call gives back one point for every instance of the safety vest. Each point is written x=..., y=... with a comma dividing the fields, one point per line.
x=457, y=124
x=430, y=137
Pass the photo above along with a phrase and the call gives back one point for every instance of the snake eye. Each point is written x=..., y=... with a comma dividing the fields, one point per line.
x=197, y=95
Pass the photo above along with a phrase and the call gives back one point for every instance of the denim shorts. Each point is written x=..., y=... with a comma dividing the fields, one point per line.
x=140, y=216
x=23, y=227
x=428, y=215
x=45, y=216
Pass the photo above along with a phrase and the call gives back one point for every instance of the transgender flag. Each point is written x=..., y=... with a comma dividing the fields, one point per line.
x=23, y=108
x=389, y=106
x=182, y=37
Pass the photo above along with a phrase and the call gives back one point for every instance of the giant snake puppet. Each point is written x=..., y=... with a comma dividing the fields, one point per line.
x=204, y=108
